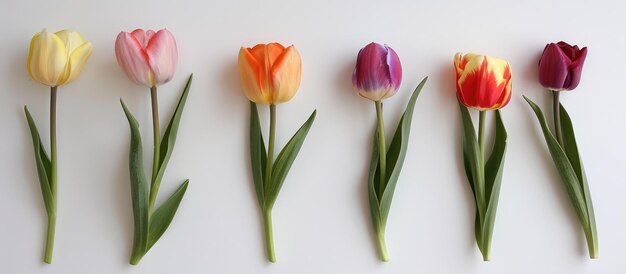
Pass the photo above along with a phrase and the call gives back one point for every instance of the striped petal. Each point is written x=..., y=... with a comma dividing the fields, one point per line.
x=286, y=75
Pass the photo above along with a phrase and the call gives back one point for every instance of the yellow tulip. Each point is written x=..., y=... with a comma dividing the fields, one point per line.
x=270, y=73
x=57, y=58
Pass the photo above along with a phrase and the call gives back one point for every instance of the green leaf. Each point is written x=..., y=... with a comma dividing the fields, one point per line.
x=471, y=160
x=563, y=165
x=372, y=182
x=284, y=161
x=258, y=153
x=397, y=152
x=571, y=150
x=169, y=137
x=139, y=189
x=42, y=161
x=162, y=217
x=493, y=179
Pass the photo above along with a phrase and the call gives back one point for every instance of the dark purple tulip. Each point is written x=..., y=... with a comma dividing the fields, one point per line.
x=378, y=72
x=561, y=65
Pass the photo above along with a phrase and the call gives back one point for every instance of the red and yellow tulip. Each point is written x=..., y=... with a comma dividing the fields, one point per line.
x=482, y=82
x=270, y=73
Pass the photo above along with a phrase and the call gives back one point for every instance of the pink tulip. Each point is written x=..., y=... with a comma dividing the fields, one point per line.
x=148, y=58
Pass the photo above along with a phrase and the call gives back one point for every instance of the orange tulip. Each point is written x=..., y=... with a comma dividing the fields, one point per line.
x=270, y=73
x=482, y=82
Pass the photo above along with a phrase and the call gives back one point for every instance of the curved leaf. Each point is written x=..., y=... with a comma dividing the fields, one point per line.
x=571, y=149
x=169, y=137
x=162, y=217
x=493, y=179
x=138, y=187
x=284, y=160
x=471, y=159
x=43, y=165
x=372, y=182
x=397, y=152
x=563, y=165
x=258, y=154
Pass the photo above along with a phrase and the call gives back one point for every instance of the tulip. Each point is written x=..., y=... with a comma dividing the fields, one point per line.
x=148, y=58
x=561, y=65
x=54, y=59
x=378, y=72
x=270, y=73
x=482, y=82
x=57, y=58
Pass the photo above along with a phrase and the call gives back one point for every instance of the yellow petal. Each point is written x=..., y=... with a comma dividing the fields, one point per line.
x=47, y=58
x=286, y=74
x=77, y=61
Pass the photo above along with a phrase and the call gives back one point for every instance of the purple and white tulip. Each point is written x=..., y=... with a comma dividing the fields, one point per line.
x=378, y=72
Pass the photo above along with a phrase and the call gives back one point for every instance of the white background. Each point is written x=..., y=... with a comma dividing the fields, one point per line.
x=321, y=218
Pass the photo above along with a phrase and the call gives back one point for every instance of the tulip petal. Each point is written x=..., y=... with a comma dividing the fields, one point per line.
x=143, y=36
x=132, y=59
x=77, y=61
x=371, y=76
x=395, y=71
x=250, y=72
x=553, y=67
x=484, y=82
x=286, y=75
x=575, y=70
x=162, y=56
x=71, y=39
x=46, y=59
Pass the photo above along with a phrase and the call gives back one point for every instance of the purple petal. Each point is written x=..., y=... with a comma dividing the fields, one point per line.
x=575, y=70
x=553, y=67
x=395, y=68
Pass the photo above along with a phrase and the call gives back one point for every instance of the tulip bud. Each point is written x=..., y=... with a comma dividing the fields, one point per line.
x=270, y=73
x=148, y=58
x=57, y=58
x=378, y=72
x=482, y=82
x=561, y=65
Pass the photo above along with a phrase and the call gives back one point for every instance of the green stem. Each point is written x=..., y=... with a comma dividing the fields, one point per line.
x=269, y=235
x=481, y=147
x=154, y=189
x=53, y=175
x=270, y=146
x=557, y=116
x=382, y=148
x=382, y=246
x=267, y=212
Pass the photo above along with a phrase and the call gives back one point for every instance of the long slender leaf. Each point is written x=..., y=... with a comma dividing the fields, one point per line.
x=284, y=160
x=563, y=165
x=493, y=180
x=258, y=154
x=43, y=165
x=372, y=182
x=397, y=152
x=169, y=137
x=571, y=150
x=471, y=160
x=138, y=187
x=162, y=217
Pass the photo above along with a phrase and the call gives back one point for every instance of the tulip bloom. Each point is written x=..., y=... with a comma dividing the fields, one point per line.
x=54, y=59
x=378, y=72
x=270, y=73
x=148, y=58
x=561, y=65
x=57, y=58
x=482, y=82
